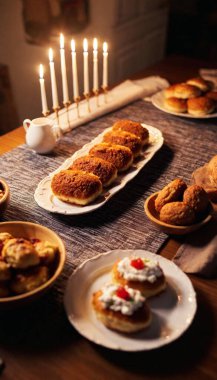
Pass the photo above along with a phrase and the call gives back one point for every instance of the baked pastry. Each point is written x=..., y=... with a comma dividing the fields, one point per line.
x=118, y=155
x=5, y=272
x=141, y=274
x=200, y=106
x=127, y=139
x=4, y=236
x=103, y=169
x=196, y=197
x=121, y=308
x=182, y=91
x=177, y=213
x=170, y=193
x=175, y=105
x=29, y=280
x=76, y=186
x=206, y=176
x=20, y=253
x=46, y=251
x=201, y=83
x=132, y=127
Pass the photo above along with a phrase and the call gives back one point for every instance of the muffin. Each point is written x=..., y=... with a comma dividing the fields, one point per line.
x=170, y=193
x=141, y=274
x=201, y=83
x=196, y=197
x=177, y=213
x=121, y=308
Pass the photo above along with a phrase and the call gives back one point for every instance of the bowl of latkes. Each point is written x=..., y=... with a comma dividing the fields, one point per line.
x=4, y=195
x=31, y=259
x=179, y=209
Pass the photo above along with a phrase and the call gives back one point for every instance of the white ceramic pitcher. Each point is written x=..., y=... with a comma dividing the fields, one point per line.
x=41, y=134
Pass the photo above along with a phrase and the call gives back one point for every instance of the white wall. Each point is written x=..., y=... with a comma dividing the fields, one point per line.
x=134, y=29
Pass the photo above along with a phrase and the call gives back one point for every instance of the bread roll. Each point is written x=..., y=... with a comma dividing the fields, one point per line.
x=175, y=104
x=182, y=91
x=201, y=83
x=20, y=253
x=200, y=106
x=196, y=197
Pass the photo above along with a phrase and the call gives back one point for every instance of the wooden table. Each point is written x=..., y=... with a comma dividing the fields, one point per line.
x=193, y=356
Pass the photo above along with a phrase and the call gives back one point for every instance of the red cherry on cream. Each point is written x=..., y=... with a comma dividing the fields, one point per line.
x=137, y=263
x=121, y=292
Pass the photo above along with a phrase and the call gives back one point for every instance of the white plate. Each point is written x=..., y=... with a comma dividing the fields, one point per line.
x=158, y=102
x=45, y=199
x=173, y=310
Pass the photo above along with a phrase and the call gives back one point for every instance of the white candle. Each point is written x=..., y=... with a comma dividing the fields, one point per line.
x=74, y=71
x=53, y=81
x=105, y=65
x=63, y=70
x=86, y=71
x=43, y=91
x=95, y=65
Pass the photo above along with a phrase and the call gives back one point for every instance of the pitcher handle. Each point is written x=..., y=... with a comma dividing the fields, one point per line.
x=26, y=124
x=56, y=131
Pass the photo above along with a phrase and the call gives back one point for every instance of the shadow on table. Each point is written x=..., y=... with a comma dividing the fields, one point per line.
x=125, y=199
x=176, y=358
x=40, y=326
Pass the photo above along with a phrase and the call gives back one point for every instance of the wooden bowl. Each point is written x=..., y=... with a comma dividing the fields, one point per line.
x=32, y=230
x=6, y=197
x=171, y=229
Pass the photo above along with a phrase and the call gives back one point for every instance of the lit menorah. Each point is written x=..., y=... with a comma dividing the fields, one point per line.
x=76, y=96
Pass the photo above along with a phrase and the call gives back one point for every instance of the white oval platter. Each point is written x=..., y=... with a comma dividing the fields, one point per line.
x=45, y=198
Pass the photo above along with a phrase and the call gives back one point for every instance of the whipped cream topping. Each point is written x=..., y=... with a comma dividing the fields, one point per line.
x=150, y=272
x=112, y=301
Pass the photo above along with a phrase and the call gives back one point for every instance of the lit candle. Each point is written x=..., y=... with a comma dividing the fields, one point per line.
x=95, y=66
x=105, y=65
x=43, y=91
x=86, y=72
x=74, y=71
x=53, y=81
x=63, y=70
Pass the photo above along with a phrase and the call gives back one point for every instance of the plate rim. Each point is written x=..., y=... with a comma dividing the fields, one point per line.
x=99, y=256
x=180, y=114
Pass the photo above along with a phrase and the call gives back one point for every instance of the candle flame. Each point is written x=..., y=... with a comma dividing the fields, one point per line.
x=105, y=47
x=61, y=41
x=95, y=44
x=41, y=71
x=85, y=45
x=73, y=45
x=51, y=55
